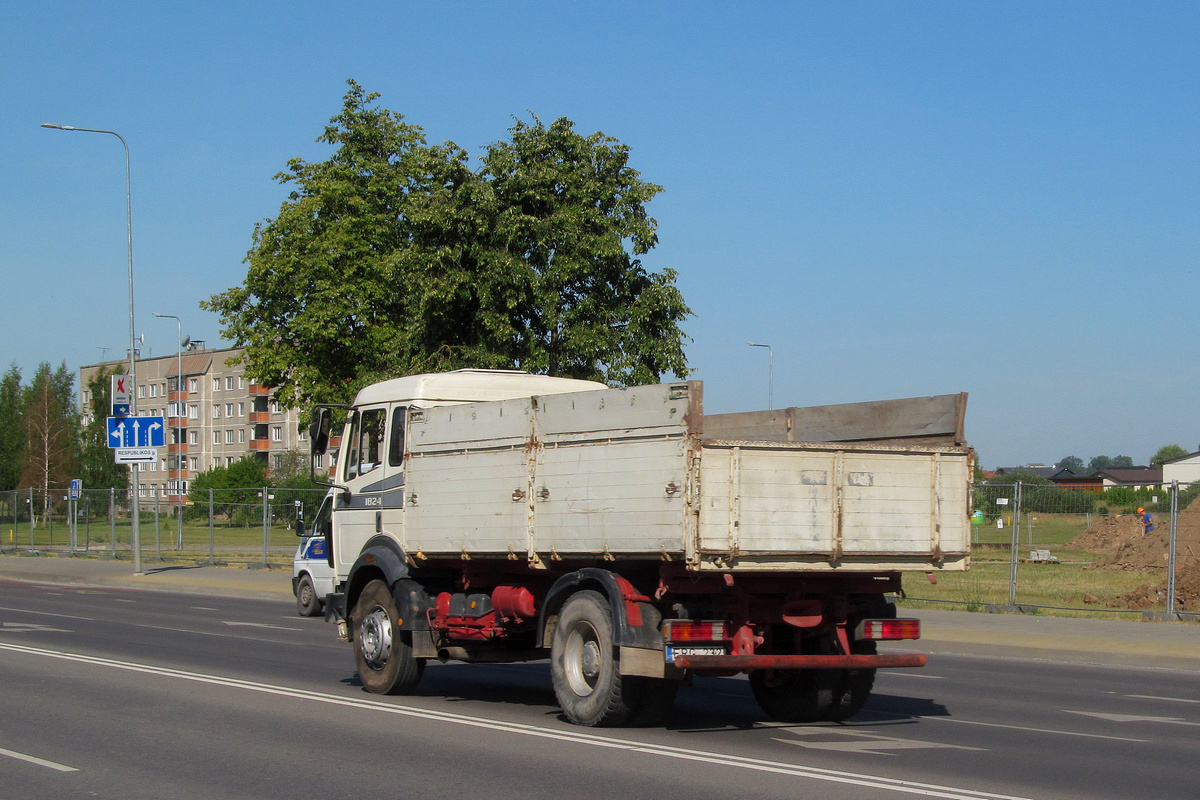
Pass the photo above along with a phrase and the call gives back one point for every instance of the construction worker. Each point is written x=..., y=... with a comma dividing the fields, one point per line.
x=1147, y=520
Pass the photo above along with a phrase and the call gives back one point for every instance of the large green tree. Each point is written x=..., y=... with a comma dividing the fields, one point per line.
x=393, y=256
x=51, y=427
x=12, y=432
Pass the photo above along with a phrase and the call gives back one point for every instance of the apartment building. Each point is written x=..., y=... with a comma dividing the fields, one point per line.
x=213, y=413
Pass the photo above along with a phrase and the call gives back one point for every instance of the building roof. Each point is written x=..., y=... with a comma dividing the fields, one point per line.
x=1132, y=475
x=1040, y=471
x=1188, y=457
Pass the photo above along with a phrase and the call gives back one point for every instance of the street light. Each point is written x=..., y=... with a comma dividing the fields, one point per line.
x=135, y=530
x=770, y=374
x=178, y=425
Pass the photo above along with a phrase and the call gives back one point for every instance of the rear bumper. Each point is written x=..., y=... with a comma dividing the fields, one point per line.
x=700, y=663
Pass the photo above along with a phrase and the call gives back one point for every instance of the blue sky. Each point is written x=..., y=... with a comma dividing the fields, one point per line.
x=902, y=199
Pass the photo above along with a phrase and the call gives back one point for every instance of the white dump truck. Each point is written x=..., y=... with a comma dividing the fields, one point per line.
x=496, y=516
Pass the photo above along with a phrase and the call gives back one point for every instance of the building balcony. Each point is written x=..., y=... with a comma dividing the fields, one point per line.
x=258, y=445
x=258, y=389
x=257, y=417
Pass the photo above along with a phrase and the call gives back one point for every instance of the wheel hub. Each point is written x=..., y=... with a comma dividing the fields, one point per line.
x=375, y=640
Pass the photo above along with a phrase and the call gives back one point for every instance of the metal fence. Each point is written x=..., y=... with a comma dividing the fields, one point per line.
x=252, y=525
x=1038, y=546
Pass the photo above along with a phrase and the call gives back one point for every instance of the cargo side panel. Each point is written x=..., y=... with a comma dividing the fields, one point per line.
x=846, y=506
x=618, y=497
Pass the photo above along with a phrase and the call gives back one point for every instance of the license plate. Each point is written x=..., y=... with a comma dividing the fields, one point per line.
x=677, y=652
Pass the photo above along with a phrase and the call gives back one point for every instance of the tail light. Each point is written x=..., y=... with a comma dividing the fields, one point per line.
x=888, y=629
x=686, y=630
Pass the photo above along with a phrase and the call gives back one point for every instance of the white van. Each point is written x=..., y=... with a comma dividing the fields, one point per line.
x=312, y=574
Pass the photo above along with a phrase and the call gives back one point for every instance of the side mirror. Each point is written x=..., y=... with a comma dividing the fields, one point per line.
x=300, y=527
x=318, y=430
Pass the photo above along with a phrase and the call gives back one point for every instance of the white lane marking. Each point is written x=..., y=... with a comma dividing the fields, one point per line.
x=856, y=741
x=46, y=614
x=260, y=625
x=123, y=600
x=202, y=608
x=29, y=627
x=1133, y=718
x=1035, y=730
x=572, y=736
x=1010, y=727
x=1168, y=699
x=41, y=762
x=895, y=673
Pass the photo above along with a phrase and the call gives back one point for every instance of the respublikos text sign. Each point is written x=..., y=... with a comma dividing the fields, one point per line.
x=135, y=455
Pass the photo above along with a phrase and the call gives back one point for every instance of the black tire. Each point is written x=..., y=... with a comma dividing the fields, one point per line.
x=854, y=685
x=804, y=695
x=307, y=601
x=583, y=663
x=382, y=652
x=655, y=696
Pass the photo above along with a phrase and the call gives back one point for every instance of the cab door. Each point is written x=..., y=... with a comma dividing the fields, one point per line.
x=361, y=472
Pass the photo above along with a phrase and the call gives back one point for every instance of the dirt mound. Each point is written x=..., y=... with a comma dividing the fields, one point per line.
x=1121, y=545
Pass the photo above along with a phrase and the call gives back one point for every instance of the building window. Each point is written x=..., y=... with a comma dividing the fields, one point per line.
x=229, y=409
x=277, y=462
x=319, y=461
x=216, y=384
x=241, y=409
x=216, y=437
x=216, y=411
x=142, y=391
x=193, y=437
x=86, y=396
x=193, y=385
x=195, y=463
x=229, y=461
x=241, y=435
x=193, y=411
x=229, y=436
x=229, y=383
x=241, y=382
x=154, y=390
x=277, y=433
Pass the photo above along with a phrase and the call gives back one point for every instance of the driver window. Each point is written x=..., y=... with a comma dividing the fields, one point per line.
x=396, y=445
x=366, y=443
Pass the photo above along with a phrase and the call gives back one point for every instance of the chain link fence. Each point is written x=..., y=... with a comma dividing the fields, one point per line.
x=255, y=525
x=1122, y=550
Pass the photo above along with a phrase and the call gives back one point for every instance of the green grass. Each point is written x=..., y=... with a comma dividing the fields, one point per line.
x=230, y=542
x=1056, y=585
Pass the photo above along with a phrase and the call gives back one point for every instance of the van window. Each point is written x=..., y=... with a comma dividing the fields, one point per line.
x=396, y=443
x=366, y=443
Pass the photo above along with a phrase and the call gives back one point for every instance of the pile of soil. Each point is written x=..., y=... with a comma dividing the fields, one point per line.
x=1121, y=545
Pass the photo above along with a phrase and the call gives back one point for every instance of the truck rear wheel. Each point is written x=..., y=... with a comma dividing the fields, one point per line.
x=382, y=653
x=583, y=663
x=854, y=685
x=804, y=695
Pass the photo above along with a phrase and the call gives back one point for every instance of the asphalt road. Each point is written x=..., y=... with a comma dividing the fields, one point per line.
x=122, y=693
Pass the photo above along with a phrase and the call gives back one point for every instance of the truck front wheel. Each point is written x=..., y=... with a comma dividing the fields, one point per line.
x=382, y=653
x=583, y=663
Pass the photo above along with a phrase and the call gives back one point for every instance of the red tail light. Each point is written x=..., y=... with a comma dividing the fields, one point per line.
x=888, y=629
x=686, y=630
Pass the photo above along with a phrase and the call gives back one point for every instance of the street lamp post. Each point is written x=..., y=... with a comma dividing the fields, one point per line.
x=770, y=374
x=135, y=512
x=178, y=427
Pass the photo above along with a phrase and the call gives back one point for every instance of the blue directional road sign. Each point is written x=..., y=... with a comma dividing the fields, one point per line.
x=135, y=431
